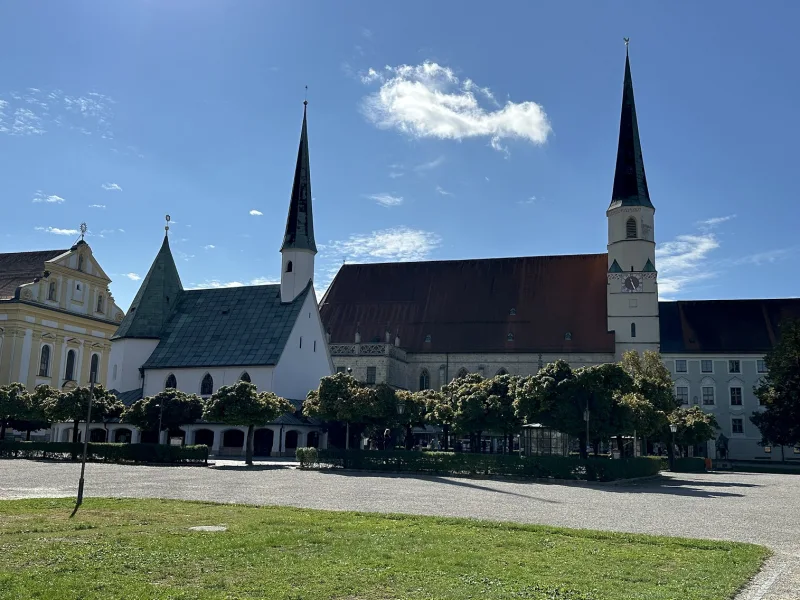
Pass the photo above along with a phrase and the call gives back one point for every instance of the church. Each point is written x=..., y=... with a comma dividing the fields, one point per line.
x=198, y=340
x=418, y=325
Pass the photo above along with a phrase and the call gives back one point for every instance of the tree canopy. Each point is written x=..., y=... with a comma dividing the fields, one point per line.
x=13, y=405
x=179, y=409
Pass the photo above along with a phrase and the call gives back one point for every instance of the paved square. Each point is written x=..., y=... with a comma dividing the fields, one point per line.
x=748, y=507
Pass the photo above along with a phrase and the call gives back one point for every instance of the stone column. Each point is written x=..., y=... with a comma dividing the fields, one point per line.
x=276, y=441
x=188, y=440
x=302, y=437
x=136, y=435
x=217, y=439
x=244, y=443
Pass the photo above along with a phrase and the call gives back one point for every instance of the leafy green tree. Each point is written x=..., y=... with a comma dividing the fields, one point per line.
x=694, y=426
x=501, y=390
x=651, y=379
x=470, y=400
x=638, y=415
x=415, y=407
x=173, y=407
x=779, y=391
x=13, y=405
x=340, y=397
x=33, y=417
x=439, y=411
x=242, y=404
x=73, y=405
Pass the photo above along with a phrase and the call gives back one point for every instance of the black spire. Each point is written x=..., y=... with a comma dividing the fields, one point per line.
x=300, y=223
x=630, y=183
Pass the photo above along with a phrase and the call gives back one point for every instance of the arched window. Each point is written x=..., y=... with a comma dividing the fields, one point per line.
x=172, y=383
x=462, y=372
x=424, y=380
x=289, y=267
x=568, y=336
x=245, y=377
x=502, y=371
x=94, y=366
x=630, y=228
x=510, y=337
x=44, y=362
x=633, y=330
x=100, y=303
x=51, y=291
x=69, y=372
x=207, y=385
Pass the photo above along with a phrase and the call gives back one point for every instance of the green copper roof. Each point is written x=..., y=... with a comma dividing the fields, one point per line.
x=300, y=222
x=157, y=296
x=241, y=326
x=649, y=267
x=630, y=183
x=615, y=268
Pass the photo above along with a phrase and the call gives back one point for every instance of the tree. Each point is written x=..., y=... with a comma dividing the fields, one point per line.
x=340, y=397
x=470, y=402
x=638, y=415
x=779, y=392
x=73, y=405
x=13, y=405
x=502, y=413
x=439, y=411
x=415, y=406
x=242, y=404
x=33, y=417
x=171, y=407
x=694, y=426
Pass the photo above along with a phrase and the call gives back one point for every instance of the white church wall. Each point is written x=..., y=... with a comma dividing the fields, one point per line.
x=302, y=365
x=189, y=380
x=127, y=355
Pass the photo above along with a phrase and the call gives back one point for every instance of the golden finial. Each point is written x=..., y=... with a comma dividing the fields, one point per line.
x=83, y=230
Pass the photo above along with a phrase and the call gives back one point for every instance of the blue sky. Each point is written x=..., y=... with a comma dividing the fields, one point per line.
x=437, y=130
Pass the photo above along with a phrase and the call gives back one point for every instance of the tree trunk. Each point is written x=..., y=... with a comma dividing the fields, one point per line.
x=510, y=443
x=478, y=441
x=596, y=448
x=409, y=437
x=3, y=430
x=671, y=453
x=446, y=432
x=783, y=456
x=620, y=446
x=248, y=457
x=28, y=436
x=583, y=445
x=347, y=436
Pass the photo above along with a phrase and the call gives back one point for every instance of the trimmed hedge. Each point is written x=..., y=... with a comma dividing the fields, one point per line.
x=307, y=457
x=447, y=463
x=116, y=453
x=689, y=465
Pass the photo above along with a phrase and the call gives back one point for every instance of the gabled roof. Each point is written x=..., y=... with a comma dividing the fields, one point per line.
x=630, y=183
x=155, y=300
x=129, y=397
x=300, y=222
x=466, y=305
x=240, y=326
x=19, y=268
x=723, y=326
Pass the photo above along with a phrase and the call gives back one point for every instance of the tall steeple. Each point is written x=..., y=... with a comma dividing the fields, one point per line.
x=299, y=248
x=300, y=222
x=155, y=299
x=630, y=183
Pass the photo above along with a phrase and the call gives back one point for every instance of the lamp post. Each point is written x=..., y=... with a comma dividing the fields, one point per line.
x=673, y=428
x=92, y=377
x=586, y=418
x=401, y=408
x=160, y=417
x=347, y=423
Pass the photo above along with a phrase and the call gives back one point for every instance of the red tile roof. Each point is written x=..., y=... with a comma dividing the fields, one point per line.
x=18, y=268
x=466, y=305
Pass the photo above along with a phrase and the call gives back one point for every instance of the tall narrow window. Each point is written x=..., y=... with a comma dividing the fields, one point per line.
x=630, y=228
x=245, y=377
x=69, y=372
x=315, y=345
x=94, y=366
x=736, y=396
x=100, y=303
x=289, y=267
x=207, y=385
x=51, y=291
x=633, y=330
x=372, y=374
x=80, y=262
x=301, y=341
x=171, y=383
x=424, y=380
x=44, y=362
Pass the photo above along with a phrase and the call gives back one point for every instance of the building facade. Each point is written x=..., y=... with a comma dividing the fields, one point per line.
x=419, y=325
x=57, y=317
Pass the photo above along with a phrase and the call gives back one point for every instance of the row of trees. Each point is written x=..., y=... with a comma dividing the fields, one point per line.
x=239, y=404
x=635, y=395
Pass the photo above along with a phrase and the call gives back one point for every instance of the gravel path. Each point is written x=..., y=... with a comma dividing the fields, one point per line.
x=758, y=508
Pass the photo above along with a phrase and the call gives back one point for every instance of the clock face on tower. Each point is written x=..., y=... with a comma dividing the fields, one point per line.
x=632, y=283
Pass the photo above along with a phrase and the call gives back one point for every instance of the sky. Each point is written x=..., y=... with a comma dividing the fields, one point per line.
x=437, y=130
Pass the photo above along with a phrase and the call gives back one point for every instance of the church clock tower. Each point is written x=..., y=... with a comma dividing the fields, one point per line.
x=632, y=292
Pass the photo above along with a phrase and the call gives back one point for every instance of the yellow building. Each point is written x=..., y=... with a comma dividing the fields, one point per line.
x=57, y=317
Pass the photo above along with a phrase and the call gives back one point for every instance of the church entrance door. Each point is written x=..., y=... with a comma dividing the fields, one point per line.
x=262, y=442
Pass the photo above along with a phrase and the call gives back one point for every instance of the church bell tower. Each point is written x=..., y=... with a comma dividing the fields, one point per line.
x=632, y=292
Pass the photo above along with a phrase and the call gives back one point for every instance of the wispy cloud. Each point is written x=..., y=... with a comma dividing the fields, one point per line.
x=133, y=276
x=397, y=244
x=111, y=187
x=386, y=199
x=40, y=196
x=218, y=283
x=443, y=192
x=367, y=33
x=36, y=111
x=429, y=100
x=256, y=213
x=685, y=261
x=58, y=230
x=529, y=200
x=97, y=206
x=395, y=174
x=209, y=247
x=427, y=166
x=714, y=221
x=763, y=258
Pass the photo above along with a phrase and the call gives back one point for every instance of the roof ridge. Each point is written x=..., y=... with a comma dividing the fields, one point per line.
x=453, y=260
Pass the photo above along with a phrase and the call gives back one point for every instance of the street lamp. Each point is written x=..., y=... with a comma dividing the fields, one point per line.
x=160, y=406
x=586, y=418
x=673, y=428
x=92, y=378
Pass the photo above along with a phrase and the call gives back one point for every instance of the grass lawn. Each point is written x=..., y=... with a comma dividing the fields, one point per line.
x=144, y=549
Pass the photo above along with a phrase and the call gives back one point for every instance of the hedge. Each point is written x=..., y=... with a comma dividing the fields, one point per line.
x=116, y=453
x=689, y=465
x=307, y=457
x=446, y=463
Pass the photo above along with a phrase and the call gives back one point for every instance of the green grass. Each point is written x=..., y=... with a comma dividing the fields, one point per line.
x=144, y=549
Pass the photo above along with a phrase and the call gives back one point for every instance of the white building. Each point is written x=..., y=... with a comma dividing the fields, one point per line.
x=199, y=340
x=418, y=325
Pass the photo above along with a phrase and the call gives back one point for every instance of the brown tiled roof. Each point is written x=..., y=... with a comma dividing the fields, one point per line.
x=18, y=268
x=723, y=326
x=466, y=305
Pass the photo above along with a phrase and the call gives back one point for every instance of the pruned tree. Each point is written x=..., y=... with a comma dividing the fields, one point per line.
x=439, y=411
x=636, y=414
x=13, y=405
x=414, y=411
x=73, y=405
x=241, y=404
x=470, y=401
x=503, y=417
x=695, y=426
x=33, y=417
x=340, y=397
x=171, y=407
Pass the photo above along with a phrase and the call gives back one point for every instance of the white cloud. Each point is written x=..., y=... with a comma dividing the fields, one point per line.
x=133, y=276
x=395, y=174
x=386, y=199
x=428, y=100
x=40, y=196
x=216, y=283
x=97, y=206
x=684, y=261
x=209, y=247
x=256, y=213
x=487, y=179
x=111, y=187
x=427, y=166
x=398, y=244
x=714, y=221
x=35, y=111
x=57, y=230
x=443, y=192
x=367, y=33
x=763, y=258
x=529, y=200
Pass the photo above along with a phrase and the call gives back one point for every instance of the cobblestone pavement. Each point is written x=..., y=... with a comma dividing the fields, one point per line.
x=748, y=507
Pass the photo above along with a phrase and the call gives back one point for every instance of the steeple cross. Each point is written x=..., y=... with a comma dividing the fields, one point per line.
x=166, y=227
